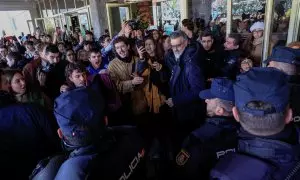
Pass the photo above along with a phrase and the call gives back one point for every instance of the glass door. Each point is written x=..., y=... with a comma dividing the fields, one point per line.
x=116, y=14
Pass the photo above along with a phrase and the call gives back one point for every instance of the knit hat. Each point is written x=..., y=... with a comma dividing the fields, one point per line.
x=257, y=26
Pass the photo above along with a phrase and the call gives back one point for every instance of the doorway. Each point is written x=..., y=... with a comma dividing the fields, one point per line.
x=117, y=13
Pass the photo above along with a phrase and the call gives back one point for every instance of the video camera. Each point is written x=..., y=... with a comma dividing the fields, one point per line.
x=134, y=24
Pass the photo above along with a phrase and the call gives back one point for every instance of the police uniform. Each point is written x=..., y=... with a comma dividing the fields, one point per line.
x=27, y=135
x=93, y=151
x=207, y=144
x=290, y=56
x=261, y=157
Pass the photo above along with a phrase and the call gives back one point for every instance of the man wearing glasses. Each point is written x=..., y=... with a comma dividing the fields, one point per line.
x=185, y=84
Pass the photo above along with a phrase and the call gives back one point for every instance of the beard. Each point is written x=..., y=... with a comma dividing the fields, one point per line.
x=177, y=54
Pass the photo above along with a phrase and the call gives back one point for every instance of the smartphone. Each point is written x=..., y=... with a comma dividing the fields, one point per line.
x=140, y=43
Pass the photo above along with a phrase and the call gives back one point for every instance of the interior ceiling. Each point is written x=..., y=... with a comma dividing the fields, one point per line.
x=124, y=1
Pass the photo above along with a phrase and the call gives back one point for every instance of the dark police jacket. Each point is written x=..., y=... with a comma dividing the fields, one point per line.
x=110, y=159
x=27, y=135
x=186, y=82
x=267, y=158
x=205, y=146
x=294, y=82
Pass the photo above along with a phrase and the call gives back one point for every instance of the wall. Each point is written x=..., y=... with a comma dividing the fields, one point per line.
x=14, y=22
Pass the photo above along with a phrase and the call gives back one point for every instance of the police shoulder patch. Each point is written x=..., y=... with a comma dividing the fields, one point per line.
x=182, y=157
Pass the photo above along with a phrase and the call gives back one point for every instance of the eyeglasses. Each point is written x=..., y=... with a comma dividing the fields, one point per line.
x=176, y=46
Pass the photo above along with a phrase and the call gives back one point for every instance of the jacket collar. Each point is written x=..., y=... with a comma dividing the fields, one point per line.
x=223, y=121
x=288, y=135
x=283, y=147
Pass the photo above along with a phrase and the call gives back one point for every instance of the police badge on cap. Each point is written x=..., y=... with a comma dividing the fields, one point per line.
x=182, y=157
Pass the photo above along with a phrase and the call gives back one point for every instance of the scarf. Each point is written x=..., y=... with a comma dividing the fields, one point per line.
x=257, y=41
x=126, y=59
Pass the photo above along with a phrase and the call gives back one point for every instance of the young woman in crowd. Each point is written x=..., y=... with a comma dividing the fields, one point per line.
x=155, y=87
x=155, y=35
x=70, y=56
x=155, y=75
x=15, y=83
x=83, y=57
x=166, y=43
x=62, y=49
x=254, y=44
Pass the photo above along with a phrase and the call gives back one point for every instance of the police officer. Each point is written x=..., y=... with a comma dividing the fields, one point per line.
x=27, y=135
x=94, y=150
x=286, y=60
x=268, y=146
x=204, y=146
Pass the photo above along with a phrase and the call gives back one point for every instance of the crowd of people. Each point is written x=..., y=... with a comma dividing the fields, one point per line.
x=146, y=105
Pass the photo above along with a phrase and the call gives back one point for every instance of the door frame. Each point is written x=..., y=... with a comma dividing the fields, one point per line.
x=109, y=7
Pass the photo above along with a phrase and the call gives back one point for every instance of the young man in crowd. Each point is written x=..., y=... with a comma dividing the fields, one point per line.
x=96, y=65
x=30, y=51
x=268, y=146
x=51, y=72
x=212, y=53
x=188, y=29
x=231, y=56
x=124, y=73
x=217, y=136
x=77, y=77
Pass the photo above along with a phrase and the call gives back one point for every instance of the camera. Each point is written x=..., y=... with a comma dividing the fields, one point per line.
x=133, y=24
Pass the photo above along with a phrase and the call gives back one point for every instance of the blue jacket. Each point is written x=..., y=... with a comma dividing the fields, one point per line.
x=92, y=71
x=231, y=63
x=185, y=83
x=27, y=136
x=107, y=53
x=205, y=146
x=112, y=159
x=79, y=164
x=270, y=157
